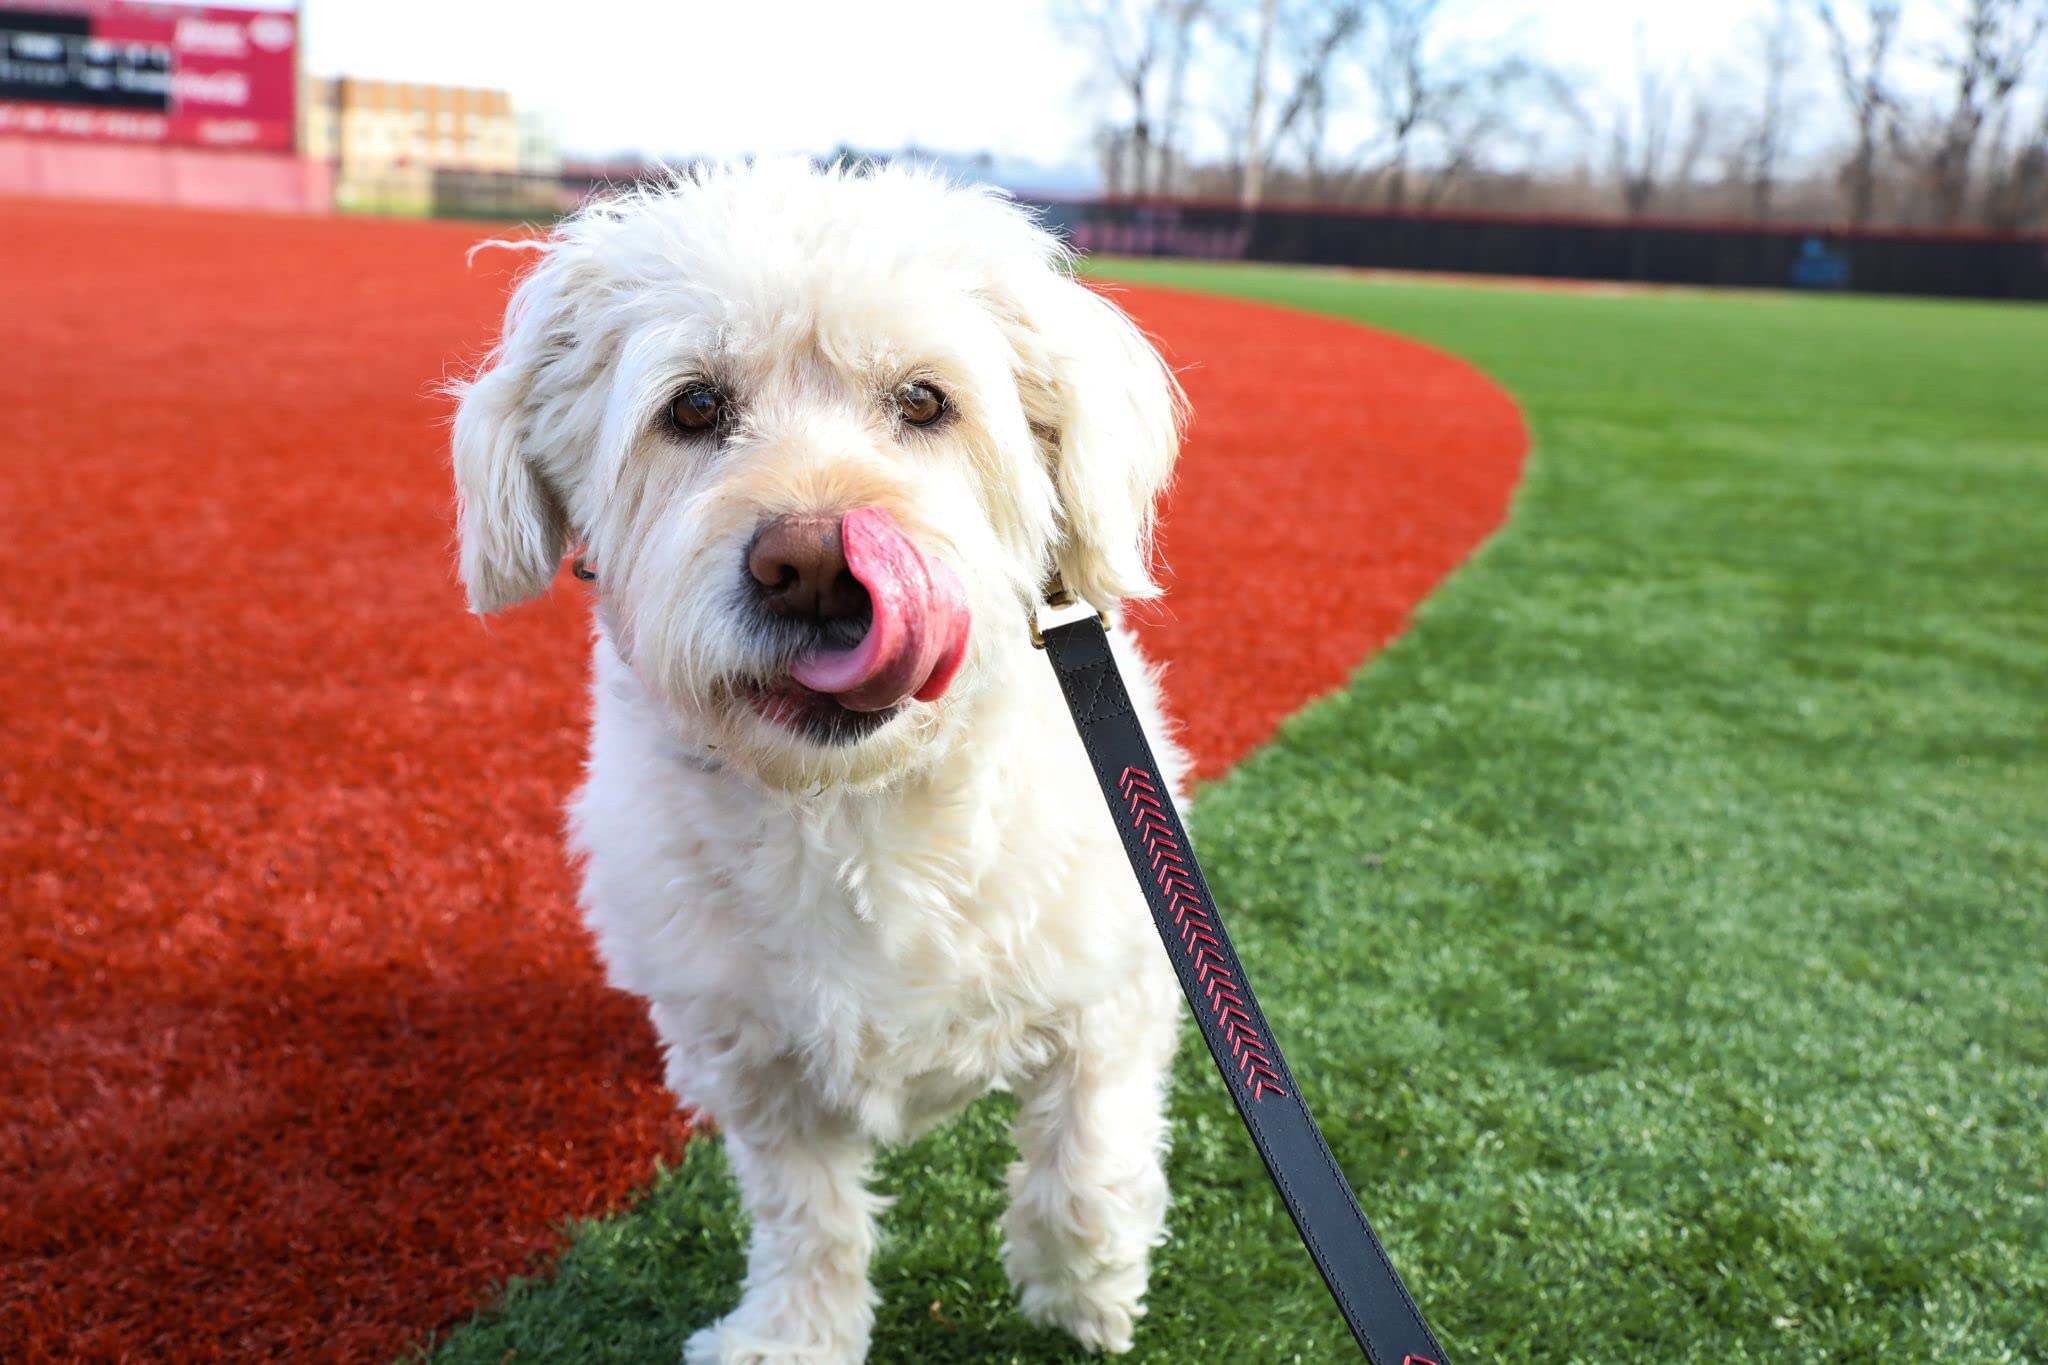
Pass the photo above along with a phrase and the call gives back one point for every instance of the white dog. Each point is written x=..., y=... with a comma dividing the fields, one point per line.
x=823, y=437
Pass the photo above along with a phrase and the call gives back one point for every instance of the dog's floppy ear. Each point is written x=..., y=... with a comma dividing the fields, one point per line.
x=1108, y=417
x=512, y=527
x=512, y=523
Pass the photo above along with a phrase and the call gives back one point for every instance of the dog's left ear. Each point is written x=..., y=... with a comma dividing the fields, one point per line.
x=1108, y=416
x=512, y=526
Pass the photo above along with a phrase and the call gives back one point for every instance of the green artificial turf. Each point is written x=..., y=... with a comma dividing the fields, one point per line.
x=1660, y=928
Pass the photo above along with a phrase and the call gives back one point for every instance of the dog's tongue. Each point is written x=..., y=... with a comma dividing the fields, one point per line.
x=919, y=632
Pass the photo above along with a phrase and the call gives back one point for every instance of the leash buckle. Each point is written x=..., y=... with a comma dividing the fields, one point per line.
x=1058, y=598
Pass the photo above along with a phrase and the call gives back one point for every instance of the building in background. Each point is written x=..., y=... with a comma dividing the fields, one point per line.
x=400, y=147
x=539, y=153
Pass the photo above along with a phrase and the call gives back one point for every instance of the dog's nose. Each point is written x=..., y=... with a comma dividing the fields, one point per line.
x=800, y=563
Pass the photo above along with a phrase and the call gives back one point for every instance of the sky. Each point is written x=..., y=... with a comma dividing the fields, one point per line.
x=680, y=79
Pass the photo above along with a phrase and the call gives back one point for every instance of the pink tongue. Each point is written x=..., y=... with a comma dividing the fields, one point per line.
x=920, y=627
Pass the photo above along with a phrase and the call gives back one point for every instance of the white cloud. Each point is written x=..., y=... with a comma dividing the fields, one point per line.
x=769, y=76
x=720, y=80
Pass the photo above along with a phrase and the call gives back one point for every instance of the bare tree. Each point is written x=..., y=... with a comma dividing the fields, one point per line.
x=1254, y=143
x=1438, y=103
x=1998, y=39
x=1651, y=143
x=1310, y=133
x=1307, y=39
x=1862, y=71
x=2016, y=188
x=1391, y=101
x=1404, y=86
x=1140, y=46
x=1761, y=156
x=1183, y=18
x=1487, y=106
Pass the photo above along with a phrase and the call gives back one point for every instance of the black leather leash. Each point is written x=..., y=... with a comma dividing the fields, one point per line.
x=1376, y=1305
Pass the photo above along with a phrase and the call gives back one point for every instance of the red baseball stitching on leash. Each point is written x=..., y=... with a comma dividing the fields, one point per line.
x=1198, y=938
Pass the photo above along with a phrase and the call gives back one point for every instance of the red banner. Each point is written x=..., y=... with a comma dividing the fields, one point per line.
x=122, y=71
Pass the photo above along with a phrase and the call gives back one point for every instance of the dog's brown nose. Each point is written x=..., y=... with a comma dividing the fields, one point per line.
x=800, y=563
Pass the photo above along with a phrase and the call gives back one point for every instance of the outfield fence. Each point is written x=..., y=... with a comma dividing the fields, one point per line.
x=1654, y=251
x=1960, y=264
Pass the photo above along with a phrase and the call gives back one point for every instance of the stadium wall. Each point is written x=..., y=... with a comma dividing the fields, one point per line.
x=1968, y=265
x=142, y=173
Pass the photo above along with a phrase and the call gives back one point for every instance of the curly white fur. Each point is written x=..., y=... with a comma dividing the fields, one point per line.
x=841, y=944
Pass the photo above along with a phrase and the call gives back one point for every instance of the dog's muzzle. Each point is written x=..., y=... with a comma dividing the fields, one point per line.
x=863, y=569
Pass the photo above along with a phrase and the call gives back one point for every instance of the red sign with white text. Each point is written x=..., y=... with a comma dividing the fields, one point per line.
x=187, y=75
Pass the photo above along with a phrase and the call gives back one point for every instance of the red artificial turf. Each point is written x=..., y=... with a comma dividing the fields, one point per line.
x=301, y=1048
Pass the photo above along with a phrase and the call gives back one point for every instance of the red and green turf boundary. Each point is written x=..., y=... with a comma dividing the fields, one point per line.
x=304, y=1048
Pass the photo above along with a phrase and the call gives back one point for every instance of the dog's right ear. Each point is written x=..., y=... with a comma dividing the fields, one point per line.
x=513, y=527
x=1108, y=417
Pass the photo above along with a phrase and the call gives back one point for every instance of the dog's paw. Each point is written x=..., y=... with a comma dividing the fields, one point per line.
x=1097, y=1316
x=731, y=1342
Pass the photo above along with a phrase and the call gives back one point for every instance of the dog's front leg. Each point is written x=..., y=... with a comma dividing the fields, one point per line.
x=806, y=1297
x=1088, y=1196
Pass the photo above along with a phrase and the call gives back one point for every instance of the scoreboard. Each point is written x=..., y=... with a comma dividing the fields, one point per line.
x=122, y=70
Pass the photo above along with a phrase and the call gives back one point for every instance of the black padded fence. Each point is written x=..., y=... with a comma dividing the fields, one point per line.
x=1960, y=264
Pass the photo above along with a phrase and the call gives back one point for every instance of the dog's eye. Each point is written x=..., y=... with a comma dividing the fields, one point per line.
x=920, y=404
x=697, y=409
